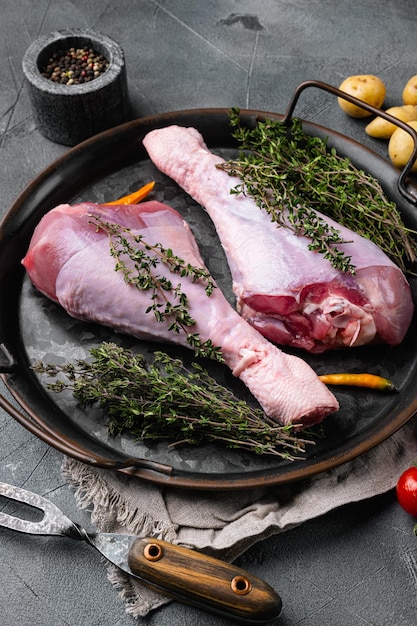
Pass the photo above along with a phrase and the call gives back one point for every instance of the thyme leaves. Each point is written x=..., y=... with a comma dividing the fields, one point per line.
x=138, y=261
x=165, y=400
x=289, y=173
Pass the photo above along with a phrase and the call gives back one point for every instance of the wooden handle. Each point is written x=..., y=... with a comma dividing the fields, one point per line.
x=203, y=581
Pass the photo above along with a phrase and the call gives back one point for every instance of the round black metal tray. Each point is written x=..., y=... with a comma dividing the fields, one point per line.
x=108, y=166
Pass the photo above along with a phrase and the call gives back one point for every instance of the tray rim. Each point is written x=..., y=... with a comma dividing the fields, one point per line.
x=145, y=469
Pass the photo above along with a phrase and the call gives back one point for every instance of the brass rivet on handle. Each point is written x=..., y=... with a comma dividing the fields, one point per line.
x=241, y=585
x=153, y=552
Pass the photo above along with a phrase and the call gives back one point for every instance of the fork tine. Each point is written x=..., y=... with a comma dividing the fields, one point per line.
x=54, y=522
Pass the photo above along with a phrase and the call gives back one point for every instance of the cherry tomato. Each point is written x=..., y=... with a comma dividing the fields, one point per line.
x=407, y=490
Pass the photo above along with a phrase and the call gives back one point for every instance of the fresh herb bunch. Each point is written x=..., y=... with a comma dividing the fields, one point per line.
x=166, y=400
x=138, y=261
x=288, y=173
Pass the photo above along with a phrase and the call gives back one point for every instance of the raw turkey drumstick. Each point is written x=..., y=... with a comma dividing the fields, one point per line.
x=69, y=261
x=291, y=294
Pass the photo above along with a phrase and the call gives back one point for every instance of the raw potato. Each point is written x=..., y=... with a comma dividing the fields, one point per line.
x=410, y=91
x=366, y=87
x=401, y=146
x=382, y=129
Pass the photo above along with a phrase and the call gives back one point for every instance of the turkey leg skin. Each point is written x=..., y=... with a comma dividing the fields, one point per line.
x=291, y=294
x=69, y=261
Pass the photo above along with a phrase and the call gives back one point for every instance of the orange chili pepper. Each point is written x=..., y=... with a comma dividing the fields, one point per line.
x=135, y=197
x=359, y=380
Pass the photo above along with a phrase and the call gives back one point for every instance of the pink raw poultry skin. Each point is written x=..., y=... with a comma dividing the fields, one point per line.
x=291, y=294
x=69, y=261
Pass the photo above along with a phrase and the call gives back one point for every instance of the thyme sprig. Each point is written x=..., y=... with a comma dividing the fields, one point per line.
x=138, y=260
x=165, y=400
x=288, y=173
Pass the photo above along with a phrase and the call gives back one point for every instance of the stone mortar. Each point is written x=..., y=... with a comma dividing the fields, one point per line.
x=69, y=114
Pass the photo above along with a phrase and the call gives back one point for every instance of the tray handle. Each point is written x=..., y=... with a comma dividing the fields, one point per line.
x=71, y=449
x=405, y=191
x=7, y=362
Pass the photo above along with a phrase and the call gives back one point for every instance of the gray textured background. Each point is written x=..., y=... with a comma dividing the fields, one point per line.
x=353, y=567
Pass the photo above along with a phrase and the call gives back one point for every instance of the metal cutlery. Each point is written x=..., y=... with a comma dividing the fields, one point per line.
x=180, y=573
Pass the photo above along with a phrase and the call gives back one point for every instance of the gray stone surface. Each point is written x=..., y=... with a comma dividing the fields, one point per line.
x=354, y=566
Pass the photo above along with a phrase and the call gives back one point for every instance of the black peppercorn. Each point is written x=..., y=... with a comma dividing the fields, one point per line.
x=75, y=66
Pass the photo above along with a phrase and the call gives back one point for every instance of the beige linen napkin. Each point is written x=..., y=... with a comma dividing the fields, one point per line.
x=225, y=524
